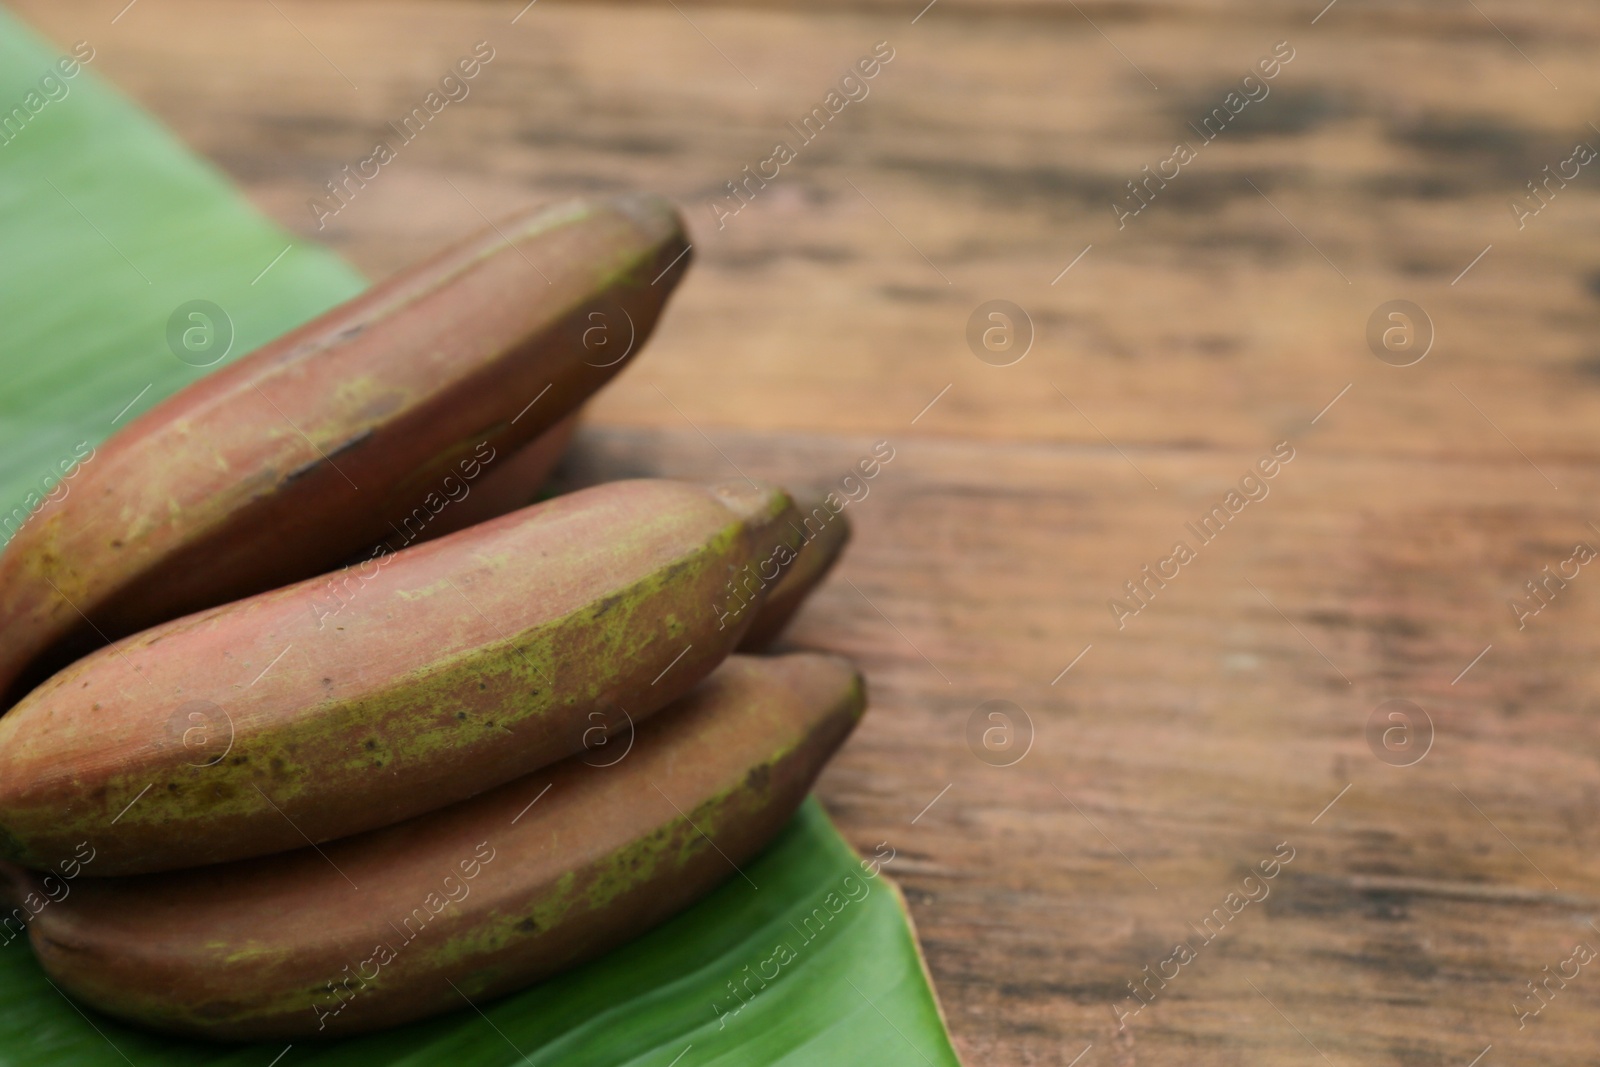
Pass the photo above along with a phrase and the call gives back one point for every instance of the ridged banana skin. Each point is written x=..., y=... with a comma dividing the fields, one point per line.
x=566, y=864
x=464, y=663
x=282, y=464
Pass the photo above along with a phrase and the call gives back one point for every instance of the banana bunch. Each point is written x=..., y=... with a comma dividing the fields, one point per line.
x=304, y=702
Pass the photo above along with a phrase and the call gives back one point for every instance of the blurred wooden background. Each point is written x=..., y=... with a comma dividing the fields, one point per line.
x=1222, y=720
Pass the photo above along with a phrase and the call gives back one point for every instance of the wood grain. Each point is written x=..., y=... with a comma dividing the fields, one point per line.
x=1226, y=716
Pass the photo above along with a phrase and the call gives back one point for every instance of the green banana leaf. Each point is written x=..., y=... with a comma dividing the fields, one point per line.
x=128, y=268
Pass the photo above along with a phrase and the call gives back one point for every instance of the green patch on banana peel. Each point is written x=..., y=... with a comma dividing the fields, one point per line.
x=306, y=751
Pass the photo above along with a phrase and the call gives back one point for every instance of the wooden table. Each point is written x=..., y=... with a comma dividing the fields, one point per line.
x=1228, y=719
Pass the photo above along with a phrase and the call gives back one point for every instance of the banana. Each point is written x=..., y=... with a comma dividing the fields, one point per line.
x=331, y=707
x=464, y=904
x=824, y=534
x=284, y=463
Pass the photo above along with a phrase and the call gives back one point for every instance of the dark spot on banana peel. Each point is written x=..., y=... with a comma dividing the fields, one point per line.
x=327, y=456
x=341, y=449
x=301, y=471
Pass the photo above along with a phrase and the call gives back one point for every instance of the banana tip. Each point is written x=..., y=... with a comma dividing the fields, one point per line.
x=753, y=502
x=655, y=215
